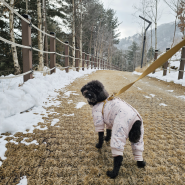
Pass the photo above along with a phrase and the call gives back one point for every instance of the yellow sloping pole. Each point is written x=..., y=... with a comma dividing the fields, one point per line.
x=157, y=63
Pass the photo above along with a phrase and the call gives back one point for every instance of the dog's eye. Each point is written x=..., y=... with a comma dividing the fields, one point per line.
x=89, y=94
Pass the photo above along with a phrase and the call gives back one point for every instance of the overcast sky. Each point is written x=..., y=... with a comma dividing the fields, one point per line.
x=124, y=11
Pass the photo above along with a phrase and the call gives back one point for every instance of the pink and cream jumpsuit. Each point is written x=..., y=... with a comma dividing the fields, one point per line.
x=118, y=116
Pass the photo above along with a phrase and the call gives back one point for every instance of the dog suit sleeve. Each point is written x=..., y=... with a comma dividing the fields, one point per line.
x=137, y=148
x=98, y=119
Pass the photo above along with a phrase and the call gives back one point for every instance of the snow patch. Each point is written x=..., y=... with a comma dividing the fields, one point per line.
x=80, y=105
x=162, y=104
x=153, y=95
x=23, y=181
x=54, y=121
x=146, y=96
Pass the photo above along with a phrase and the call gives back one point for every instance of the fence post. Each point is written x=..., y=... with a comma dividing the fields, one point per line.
x=83, y=60
x=98, y=62
x=103, y=65
x=52, y=55
x=77, y=59
x=67, y=56
x=87, y=60
x=181, y=68
x=26, y=53
x=155, y=57
x=165, y=65
x=92, y=62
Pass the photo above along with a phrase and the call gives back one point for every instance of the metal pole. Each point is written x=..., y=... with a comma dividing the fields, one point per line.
x=26, y=53
x=144, y=38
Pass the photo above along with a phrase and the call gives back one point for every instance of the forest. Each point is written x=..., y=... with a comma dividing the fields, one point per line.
x=85, y=24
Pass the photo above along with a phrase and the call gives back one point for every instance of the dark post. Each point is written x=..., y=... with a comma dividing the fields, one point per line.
x=181, y=68
x=83, y=60
x=103, y=65
x=165, y=65
x=77, y=54
x=95, y=64
x=67, y=56
x=52, y=55
x=92, y=61
x=87, y=60
x=144, y=37
x=26, y=53
x=98, y=62
x=155, y=57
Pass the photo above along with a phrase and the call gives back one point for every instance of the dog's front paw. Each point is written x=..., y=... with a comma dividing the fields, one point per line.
x=112, y=174
x=98, y=145
x=141, y=164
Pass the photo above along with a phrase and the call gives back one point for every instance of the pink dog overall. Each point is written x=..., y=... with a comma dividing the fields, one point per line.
x=118, y=116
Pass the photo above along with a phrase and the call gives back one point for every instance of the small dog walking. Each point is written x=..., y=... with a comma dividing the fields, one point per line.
x=120, y=118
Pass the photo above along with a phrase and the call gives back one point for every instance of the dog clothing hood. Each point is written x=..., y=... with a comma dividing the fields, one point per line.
x=120, y=117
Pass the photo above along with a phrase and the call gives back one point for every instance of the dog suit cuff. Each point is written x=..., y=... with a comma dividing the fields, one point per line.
x=138, y=155
x=99, y=129
x=116, y=152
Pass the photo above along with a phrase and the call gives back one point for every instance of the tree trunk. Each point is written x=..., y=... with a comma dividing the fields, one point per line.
x=40, y=46
x=73, y=32
x=45, y=38
x=90, y=42
x=156, y=27
x=26, y=6
x=17, y=69
x=81, y=32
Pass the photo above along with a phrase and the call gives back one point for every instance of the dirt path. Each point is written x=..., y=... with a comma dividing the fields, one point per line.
x=66, y=153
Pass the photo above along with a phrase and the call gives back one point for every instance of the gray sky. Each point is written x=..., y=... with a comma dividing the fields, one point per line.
x=124, y=11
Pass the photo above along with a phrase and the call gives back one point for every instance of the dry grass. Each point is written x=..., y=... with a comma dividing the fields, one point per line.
x=67, y=154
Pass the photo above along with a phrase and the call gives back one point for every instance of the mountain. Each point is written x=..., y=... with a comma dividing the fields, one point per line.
x=165, y=33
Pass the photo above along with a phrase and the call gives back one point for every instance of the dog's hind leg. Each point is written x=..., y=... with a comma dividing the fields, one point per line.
x=108, y=136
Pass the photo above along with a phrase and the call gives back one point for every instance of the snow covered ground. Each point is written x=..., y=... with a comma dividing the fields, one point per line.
x=172, y=75
x=16, y=98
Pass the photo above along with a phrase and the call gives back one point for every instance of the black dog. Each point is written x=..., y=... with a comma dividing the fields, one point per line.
x=117, y=118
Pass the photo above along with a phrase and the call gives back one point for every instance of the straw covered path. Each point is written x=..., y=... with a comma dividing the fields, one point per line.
x=66, y=153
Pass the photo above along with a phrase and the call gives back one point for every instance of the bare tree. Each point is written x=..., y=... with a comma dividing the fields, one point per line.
x=26, y=6
x=40, y=46
x=81, y=31
x=14, y=50
x=142, y=9
x=173, y=4
x=181, y=16
x=153, y=13
x=45, y=37
x=73, y=31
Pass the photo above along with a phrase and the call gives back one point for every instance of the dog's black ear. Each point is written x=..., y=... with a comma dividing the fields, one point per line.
x=103, y=95
x=97, y=86
x=135, y=132
x=83, y=89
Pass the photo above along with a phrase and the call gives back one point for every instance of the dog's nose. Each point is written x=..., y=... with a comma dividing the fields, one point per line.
x=89, y=94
